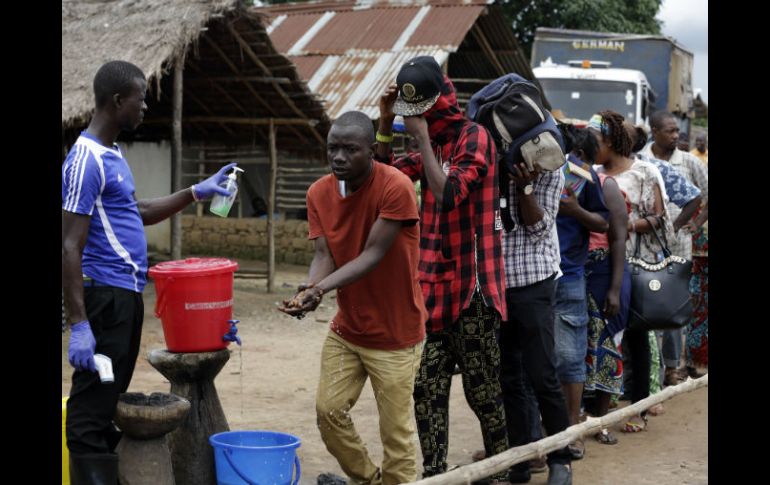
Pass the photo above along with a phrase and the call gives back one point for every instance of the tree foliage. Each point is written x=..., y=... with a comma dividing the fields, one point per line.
x=622, y=16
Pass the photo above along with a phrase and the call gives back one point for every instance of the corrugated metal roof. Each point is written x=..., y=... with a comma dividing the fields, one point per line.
x=307, y=65
x=362, y=29
x=349, y=51
x=445, y=26
x=291, y=29
x=356, y=80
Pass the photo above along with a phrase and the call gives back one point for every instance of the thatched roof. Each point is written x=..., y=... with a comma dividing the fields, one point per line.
x=233, y=75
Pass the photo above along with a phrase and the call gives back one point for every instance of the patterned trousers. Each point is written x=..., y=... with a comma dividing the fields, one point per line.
x=472, y=344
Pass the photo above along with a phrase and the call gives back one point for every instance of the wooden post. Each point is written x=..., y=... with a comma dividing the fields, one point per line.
x=201, y=171
x=176, y=156
x=271, y=211
x=239, y=201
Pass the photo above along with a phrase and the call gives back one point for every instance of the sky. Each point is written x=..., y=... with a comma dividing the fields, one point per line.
x=687, y=22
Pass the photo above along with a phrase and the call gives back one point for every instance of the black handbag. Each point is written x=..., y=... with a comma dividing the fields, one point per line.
x=660, y=292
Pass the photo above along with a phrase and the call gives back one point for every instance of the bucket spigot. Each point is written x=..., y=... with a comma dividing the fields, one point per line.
x=231, y=336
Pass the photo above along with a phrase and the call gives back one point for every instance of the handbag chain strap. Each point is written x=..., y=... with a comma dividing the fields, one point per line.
x=664, y=246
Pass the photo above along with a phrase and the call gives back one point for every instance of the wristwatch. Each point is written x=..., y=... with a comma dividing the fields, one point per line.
x=527, y=189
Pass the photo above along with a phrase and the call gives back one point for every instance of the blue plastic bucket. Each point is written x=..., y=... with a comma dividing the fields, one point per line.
x=256, y=458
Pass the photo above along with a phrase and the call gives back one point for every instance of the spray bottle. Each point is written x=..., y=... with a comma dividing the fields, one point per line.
x=220, y=204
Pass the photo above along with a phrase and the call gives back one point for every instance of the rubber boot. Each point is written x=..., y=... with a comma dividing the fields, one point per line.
x=93, y=469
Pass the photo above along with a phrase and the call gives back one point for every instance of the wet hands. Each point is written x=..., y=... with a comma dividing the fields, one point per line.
x=306, y=300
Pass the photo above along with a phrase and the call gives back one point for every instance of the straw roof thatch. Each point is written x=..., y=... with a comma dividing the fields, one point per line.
x=233, y=75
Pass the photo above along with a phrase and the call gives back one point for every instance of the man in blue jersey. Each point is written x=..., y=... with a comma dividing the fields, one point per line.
x=104, y=265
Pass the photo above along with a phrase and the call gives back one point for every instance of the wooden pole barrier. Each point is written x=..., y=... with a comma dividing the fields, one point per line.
x=502, y=461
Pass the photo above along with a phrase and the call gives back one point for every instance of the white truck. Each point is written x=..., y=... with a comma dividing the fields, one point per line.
x=582, y=88
x=582, y=73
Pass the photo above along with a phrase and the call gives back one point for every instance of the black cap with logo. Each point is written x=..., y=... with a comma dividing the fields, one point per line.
x=419, y=86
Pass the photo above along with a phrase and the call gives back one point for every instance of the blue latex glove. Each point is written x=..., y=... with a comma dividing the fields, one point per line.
x=209, y=187
x=82, y=346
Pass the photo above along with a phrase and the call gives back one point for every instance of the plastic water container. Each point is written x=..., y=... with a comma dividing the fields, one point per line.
x=65, y=454
x=256, y=457
x=194, y=302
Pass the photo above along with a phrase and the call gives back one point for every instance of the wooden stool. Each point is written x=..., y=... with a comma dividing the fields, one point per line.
x=192, y=376
x=144, y=454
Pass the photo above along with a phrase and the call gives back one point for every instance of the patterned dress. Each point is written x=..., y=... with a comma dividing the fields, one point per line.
x=638, y=184
x=696, y=345
x=604, y=361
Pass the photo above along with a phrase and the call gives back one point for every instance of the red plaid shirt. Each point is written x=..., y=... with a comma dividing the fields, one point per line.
x=448, y=267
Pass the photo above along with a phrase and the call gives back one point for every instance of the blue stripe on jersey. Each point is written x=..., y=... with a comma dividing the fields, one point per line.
x=97, y=177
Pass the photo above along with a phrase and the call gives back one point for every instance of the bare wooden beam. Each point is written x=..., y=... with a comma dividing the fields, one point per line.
x=289, y=176
x=201, y=129
x=271, y=211
x=292, y=206
x=305, y=170
x=237, y=121
x=205, y=108
x=243, y=110
x=290, y=192
x=227, y=96
x=247, y=49
x=176, y=155
x=235, y=70
x=284, y=67
x=289, y=200
x=256, y=95
x=490, y=53
x=298, y=134
x=255, y=58
x=201, y=173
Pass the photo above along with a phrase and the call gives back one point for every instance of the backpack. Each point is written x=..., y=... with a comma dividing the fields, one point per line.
x=511, y=109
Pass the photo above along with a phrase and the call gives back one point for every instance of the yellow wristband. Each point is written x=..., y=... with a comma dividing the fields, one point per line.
x=383, y=138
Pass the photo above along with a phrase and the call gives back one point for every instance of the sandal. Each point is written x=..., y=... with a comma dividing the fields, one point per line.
x=635, y=426
x=605, y=437
x=673, y=377
x=694, y=373
x=577, y=449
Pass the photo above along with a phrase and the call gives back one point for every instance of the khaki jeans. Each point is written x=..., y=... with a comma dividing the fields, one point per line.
x=344, y=369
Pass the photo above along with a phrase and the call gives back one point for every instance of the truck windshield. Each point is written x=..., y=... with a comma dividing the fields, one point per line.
x=582, y=98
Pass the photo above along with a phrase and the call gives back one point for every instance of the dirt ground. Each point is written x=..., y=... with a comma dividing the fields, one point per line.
x=270, y=383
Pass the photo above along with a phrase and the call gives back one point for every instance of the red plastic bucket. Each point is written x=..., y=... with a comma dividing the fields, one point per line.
x=194, y=302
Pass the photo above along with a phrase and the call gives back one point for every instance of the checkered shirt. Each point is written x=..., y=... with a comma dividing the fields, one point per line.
x=532, y=252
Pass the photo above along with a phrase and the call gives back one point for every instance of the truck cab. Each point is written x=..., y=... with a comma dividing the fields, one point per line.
x=582, y=88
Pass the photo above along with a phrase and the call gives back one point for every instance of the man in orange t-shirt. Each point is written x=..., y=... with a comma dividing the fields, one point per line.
x=364, y=222
x=701, y=149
